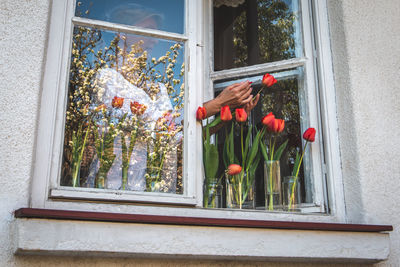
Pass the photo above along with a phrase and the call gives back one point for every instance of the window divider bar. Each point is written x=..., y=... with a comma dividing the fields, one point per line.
x=253, y=70
x=128, y=29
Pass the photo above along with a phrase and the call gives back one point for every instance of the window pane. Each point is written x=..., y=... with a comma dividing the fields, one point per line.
x=124, y=120
x=153, y=14
x=257, y=31
x=286, y=101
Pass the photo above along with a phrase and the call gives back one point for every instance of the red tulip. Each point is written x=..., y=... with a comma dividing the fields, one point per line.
x=281, y=125
x=309, y=134
x=241, y=115
x=268, y=80
x=117, y=102
x=226, y=114
x=137, y=108
x=234, y=169
x=276, y=125
x=268, y=119
x=201, y=113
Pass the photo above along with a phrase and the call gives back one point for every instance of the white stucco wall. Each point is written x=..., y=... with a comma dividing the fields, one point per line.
x=367, y=64
x=366, y=49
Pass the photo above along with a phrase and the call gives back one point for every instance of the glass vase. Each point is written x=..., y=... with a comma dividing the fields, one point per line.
x=272, y=185
x=240, y=191
x=291, y=193
x=212, y=193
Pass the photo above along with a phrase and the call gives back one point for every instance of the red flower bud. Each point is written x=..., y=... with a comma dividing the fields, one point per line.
x=234, y=169
x=268, y=119
x=226, y=114
x=309, y=134
x=240, y=115
x=201, y=113
x=117, y=102
x=137, y=108
x=268, y=80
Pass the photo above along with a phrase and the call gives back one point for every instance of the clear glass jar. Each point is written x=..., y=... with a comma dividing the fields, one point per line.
x=272, y=185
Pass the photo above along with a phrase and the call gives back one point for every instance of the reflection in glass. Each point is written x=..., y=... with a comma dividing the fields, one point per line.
x=257, y=31
x=152, y=14
x=286, y=100
x=124, y=119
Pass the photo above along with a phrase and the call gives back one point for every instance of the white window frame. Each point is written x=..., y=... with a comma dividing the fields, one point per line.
x=308, y=61
x=47, y=194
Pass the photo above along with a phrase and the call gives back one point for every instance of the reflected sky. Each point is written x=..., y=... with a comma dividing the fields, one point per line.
x=154, y=14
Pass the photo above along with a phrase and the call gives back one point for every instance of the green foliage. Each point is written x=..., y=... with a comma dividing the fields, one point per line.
x=210, y=156
x=229, y=156
x=296, y=164
x=279, y=151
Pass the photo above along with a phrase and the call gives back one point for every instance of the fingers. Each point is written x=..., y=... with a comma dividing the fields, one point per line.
x=247, y=100
x=255, y=101
x=246, y=95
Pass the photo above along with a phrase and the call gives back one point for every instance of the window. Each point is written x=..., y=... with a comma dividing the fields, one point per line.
x=85, y=160
x=254, y=37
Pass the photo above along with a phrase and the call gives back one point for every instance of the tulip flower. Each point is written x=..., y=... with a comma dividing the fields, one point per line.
x=281, y=125
x=268, y=80
x=226, y=114
x=234, y=169
x=137, y=108
x=268, y=119
x=201, y=113
x=241, y=115
x=309, y=135
x=117, y=102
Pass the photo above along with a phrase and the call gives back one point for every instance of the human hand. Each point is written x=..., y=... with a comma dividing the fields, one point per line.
x=236, y=95
x=249, y=106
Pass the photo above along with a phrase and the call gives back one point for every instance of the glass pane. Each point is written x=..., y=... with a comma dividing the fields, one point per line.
x=257, y=31
x=153, y=14
x=286, y=101
x=124, y=119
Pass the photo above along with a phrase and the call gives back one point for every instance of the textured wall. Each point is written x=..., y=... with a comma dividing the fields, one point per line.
x=22, y=42
x=366, y=48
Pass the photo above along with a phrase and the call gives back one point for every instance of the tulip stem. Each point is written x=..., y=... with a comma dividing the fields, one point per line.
x=291, y=200
x=271, y=194
x=241, y=143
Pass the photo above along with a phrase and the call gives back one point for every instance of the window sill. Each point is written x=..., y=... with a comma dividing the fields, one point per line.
x=56, y=232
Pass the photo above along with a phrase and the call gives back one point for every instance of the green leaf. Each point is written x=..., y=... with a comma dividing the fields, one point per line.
x=254, y=164
x=231, y=147
x=216, y=121
x=246, y=143
x=211, y=166
x=280, y=150
x=254, y=150
x=225, y=153
x=264, y=151
x=296, y=164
